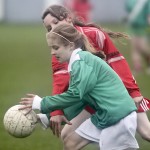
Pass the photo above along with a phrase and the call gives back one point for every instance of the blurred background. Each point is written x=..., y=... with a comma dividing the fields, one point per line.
x=29, y=11
x=25, y=61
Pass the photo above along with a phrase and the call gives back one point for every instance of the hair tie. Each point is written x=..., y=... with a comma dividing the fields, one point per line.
x=61, y=36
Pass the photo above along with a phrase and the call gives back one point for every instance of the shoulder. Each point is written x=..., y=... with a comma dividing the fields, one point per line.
x=89, y=30
x=95, y=35
x=83, y=57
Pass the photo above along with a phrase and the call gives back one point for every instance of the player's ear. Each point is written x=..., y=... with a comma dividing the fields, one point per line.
x=72, y=46
x=69, y=19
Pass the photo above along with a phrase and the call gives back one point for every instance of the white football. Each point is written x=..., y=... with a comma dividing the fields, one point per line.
x=18, y=123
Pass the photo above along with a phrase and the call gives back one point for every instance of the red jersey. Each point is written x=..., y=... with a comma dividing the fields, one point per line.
x=81, y=8
x=101, y=42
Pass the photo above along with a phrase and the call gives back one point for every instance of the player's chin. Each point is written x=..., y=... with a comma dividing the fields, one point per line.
x=61, y=61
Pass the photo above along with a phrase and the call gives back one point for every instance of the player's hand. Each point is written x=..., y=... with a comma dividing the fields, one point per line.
x=27, y=101
x=138, y=100
x=55, y=124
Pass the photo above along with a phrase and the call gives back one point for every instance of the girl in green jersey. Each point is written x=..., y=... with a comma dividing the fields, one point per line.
x=92, y=82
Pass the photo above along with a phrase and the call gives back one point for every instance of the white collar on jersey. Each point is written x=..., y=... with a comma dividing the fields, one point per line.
x=73, y=58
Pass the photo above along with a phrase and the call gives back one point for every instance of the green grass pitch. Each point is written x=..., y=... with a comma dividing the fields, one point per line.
x=25, y=68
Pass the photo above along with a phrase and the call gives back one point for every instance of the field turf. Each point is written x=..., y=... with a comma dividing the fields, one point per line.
x=25, y=68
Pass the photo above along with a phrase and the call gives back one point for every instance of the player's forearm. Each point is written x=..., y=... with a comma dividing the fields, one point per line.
x=62, y=101
x=60, y=83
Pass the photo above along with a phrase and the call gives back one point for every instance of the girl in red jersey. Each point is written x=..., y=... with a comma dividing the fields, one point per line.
x=52, y=17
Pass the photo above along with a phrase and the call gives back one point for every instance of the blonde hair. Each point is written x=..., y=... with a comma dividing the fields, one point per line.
x=67, y=33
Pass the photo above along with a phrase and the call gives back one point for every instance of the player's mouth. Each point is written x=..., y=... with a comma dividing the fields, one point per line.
x=57, y=57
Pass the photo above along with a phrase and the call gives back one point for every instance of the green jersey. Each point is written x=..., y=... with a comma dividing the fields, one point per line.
x=93, y=82
x=138, y=10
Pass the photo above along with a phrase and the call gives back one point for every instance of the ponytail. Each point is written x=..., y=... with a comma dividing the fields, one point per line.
x=88, y=47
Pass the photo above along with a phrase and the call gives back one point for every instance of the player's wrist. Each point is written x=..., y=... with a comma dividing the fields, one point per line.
x=56, y=112
x=42, y=118
x=37, y=102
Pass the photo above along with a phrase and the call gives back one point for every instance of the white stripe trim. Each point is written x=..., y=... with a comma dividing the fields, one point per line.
x=144, y=105
x=115, y=59
x=61, y=72
x=81, y=30
x=100, y=38
x=145, y=101
x=74, y=57
x=92, y=29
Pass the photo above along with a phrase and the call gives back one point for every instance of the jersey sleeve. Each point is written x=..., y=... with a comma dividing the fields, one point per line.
x=60, y=81
x=82, y=81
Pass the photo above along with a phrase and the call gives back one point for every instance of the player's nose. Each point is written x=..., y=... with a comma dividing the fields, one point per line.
x=52, y=52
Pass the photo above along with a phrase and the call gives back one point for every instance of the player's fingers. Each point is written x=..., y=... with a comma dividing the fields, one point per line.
x=26, y=99
x=57, y=129
x=24, y=107
x=25, y=103
x=30, y=95
x=53, y=127
x=68, y=122
x=50, y=125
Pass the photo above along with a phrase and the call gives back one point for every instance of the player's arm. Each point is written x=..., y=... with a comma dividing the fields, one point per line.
x=60, y=84
x=119, y=64
x=82, y=80
x=60, y=81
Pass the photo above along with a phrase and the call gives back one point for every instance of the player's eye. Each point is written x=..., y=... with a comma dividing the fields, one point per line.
x=49, y=28
x=55, y=47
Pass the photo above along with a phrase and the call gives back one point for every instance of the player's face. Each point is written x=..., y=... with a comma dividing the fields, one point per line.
x=60, y=51
x=51, y=22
